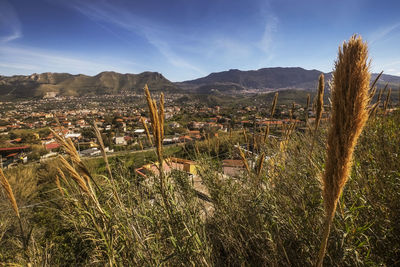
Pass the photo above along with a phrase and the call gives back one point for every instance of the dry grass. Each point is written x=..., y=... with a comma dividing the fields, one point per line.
x=320, y=101
x=387, y=101
x=274, y=102
x=9, y=192
x=146, y=130
x=350, y=97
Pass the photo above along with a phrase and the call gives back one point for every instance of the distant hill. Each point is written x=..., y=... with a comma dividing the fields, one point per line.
x=266, y=79
x=225, y=82
x=37, y=85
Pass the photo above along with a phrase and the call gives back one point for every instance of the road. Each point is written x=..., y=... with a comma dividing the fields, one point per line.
x=114, y=154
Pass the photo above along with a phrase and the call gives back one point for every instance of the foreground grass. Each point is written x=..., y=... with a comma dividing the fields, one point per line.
x=275, y=220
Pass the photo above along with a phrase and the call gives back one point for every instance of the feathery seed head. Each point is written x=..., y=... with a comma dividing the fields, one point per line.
x=350, y=99
x=350, y=96
x=320, y=100
x=244, y=160
x=9, y=192
x=274, y=104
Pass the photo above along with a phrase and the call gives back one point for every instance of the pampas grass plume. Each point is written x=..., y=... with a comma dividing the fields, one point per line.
x=9, y=192
x=350, y=98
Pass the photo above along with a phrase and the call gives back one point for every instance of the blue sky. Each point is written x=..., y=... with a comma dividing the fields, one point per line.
x=187, y=39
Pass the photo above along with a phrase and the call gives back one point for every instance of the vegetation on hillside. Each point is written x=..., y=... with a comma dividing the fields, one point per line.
x=73, y=212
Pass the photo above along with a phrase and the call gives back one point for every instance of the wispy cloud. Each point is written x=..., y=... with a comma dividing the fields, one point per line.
x=271, y=27
x=381, y=33
x=23, y=60
x=152, y=32
x=181, y=48
x=10, y=25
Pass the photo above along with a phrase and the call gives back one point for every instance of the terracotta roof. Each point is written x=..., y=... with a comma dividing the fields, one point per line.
x=52, y=146
x=232, y=163
x=14, y=148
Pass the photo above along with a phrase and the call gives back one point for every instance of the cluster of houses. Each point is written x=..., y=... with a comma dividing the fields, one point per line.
x=119, y=121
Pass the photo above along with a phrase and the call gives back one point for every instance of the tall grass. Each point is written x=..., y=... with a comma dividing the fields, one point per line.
x=350, y=97
x=270, y=215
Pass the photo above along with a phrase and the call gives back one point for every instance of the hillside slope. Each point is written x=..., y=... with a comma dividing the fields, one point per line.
x=65, y=84
x=267, y=79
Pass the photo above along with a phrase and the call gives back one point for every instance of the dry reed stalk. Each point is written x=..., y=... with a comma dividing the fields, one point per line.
x=83, y=184
x=70, y=149
x=289, y=130
x=320, y=100
x=292, y=110
x=255, y=145
x=10, y=195
x=102, y=148
x=260, y=164
x=141, y=145
x=9, y=192
x=266, y=133
x=161, y=115
x=379, y=96
x=386, y=104
x=58, y=184
x=105, y=158
x=376, y=80
x=244, y=160
x=306, y=109
x=196, y=149
x=373, y=86
x=146, y=130
x=319, y=108
x=75, y=175
x=350, y=98
x=217, y=144
x=68, y=146
x=381, y=92
x=61, y=174
x=373, y=109
x=157, y=124
x=274, y=102
x=246, y=139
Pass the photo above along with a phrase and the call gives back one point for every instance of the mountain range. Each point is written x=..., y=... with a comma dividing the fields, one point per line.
x=232, y=81
x=65, y=84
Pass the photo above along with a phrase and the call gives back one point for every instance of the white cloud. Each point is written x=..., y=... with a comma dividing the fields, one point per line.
x=10, y=25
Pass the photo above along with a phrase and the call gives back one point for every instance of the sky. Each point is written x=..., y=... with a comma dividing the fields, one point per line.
x=188, y=39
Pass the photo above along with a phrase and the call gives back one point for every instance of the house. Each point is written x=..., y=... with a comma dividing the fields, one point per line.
x=195, y=134
x=8, y=155
x=184, y=139
x=232, y=167
x=90, y=152
x=139, y=131
x=73, y=135
x=185, y=165
x=120, y=140
x=169, y=164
